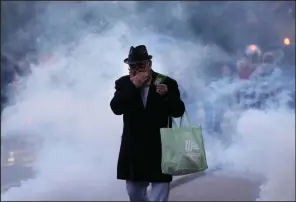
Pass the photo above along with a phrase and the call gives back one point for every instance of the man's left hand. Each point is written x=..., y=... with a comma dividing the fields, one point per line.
x=161, y=89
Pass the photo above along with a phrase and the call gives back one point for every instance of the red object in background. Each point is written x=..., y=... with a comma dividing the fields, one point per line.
x=243, y=69
x=245, y=73
x=29, y=122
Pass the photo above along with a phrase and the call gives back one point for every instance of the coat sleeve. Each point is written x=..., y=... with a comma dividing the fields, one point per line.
x=125, y=93
x=175, y=105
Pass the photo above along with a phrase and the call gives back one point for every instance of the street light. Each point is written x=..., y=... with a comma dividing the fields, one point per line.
x=287, y=41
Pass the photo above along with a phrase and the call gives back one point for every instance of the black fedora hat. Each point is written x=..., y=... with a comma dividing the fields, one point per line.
x=137, y=54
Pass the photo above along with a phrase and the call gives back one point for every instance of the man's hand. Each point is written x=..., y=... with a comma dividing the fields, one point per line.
x=139, y=79
x=161, y=89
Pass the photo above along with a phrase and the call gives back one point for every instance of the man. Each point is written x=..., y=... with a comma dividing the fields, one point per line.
x=267, y=82
x=245, y=95
x=146, y=107
x=248, y=64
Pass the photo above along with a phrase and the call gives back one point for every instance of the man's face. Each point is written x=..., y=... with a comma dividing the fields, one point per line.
x=136, y=68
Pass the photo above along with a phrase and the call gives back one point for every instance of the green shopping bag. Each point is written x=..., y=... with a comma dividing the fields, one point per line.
x=183, y=149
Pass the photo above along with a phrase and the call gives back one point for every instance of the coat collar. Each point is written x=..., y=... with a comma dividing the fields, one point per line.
x=151, y=92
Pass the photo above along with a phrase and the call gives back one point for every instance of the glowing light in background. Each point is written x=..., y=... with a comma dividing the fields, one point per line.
x=287, y=41
x=253, y=47
x=29, y=122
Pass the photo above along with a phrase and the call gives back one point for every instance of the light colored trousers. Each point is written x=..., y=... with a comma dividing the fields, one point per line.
x=137, y=191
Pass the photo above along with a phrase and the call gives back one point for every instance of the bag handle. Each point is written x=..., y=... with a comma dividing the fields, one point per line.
x=188, y=119
x=174, y=124
x=181, y=125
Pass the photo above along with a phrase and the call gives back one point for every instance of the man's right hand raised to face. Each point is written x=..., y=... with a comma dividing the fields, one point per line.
x=139, y=79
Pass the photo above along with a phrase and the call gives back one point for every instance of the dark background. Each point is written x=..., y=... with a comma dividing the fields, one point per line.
x=226, y=23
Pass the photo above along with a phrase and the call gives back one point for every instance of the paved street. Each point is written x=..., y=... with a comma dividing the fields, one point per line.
x=210, y=187
x=216, y=187
x=12, y=175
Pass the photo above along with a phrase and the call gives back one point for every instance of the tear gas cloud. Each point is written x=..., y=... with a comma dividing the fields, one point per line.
x=67, y=99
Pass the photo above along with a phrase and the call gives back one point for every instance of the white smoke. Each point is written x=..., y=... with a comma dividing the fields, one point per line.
x=265, y=148
x=67, y=102
x=263, y=145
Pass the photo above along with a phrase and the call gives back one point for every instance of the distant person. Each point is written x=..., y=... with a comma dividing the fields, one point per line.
x=267, y=65
x=269, y=82
x=264, y=85
x=246, y=94
x=247, y=65
x=146, y=107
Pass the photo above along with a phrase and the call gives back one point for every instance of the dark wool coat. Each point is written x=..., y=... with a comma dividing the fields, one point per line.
x=140, y=150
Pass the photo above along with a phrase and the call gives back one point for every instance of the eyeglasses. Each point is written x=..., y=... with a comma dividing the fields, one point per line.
x=137, y=66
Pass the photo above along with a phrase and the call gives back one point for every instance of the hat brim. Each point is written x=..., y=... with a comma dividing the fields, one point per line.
x=126, y=61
